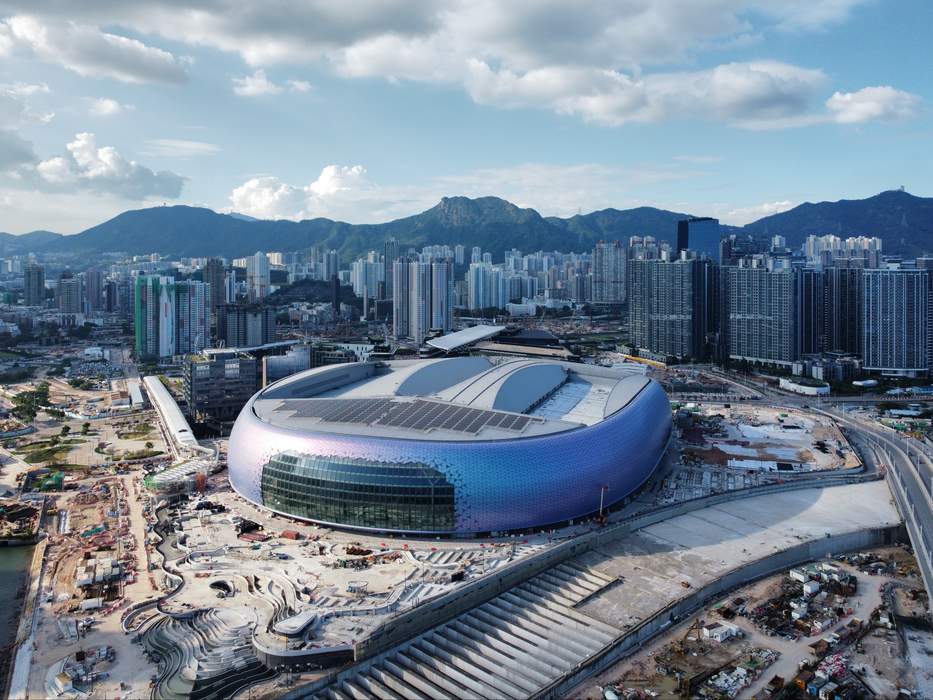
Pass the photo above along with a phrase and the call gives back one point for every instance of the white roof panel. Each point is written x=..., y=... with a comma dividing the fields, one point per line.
x=459, y=339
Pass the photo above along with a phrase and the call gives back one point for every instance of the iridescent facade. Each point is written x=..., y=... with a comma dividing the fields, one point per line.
x=453, y=446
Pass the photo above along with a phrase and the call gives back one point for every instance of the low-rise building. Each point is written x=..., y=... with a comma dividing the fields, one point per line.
x=720, y=631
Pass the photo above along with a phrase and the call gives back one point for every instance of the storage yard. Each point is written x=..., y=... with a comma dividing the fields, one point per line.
x=839, y=627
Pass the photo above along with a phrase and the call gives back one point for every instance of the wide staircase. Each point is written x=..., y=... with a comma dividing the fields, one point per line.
x=509, y=647
x=208, y=656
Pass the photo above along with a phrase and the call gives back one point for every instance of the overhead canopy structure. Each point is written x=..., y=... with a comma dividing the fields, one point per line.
x=172, y=418
x=468, y=336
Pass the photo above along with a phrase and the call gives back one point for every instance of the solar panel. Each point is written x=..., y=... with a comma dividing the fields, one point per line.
x=419, y=414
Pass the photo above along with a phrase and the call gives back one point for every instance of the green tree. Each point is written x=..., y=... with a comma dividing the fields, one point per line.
x=85, y=428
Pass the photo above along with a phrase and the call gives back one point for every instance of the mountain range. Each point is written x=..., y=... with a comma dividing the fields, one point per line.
x=903, y=221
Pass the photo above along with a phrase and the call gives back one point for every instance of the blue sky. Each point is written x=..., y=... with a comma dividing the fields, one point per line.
x=371, y=110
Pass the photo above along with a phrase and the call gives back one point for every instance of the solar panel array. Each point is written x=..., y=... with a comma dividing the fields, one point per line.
x=410, y=415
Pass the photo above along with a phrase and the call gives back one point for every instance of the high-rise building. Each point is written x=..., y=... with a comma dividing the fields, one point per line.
x=331, y=264
x=121, y=297
x=856, y=251
x=34, y=285
x=669, y=307
x=94, y=289
x=419, y=300
x=192, y=317
x=609, y=272
x=171, y=317
x=69, y=293
x=215, y=276
x=422, y=298
x=700, y=234
x=442, y=281
x=257, y=276
x=230, y=287
x=390, y=255
x=459, y=254
x=809, y=297
x=366, y=274
x=246, y=326
x=401, y=277
x=895, y=321
x=335, y=293
x=155, y=316
x=842, y=314
x=761, y=323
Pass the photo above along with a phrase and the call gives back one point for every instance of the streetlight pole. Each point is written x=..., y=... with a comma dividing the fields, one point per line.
x=602, y=493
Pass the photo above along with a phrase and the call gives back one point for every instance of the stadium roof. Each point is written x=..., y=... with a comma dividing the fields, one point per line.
x=468, y=336
x=459, y=398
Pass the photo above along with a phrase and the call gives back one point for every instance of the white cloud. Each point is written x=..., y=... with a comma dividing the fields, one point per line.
x=338, y=191
x=347, y=193
x=595, y=59
x=740, y=216
x=258, y=84
x=16, y=104
x=794, y=15
x=871, y=104
x=24, y=89
x=104, y=169
x=106, y=107
x=180, y=148
x=255, y=85
x=88, y=51
x=738, y=93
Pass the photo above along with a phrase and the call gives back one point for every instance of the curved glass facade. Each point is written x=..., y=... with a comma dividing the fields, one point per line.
x=476, y=486
x=359, y=492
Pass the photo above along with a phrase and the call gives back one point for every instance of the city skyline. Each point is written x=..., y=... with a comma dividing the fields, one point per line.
x=731, y=109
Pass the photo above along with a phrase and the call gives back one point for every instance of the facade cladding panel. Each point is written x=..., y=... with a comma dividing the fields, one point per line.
x=494, y=485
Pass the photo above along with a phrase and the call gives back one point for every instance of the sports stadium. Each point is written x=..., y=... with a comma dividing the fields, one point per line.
x=450, y=446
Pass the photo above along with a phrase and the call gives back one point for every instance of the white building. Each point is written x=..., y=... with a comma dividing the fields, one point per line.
x=257, y=276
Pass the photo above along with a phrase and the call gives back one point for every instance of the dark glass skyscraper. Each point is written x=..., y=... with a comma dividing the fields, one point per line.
x=702, y=235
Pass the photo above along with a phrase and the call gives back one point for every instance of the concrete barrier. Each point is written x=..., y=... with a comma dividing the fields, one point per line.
x=741, y=576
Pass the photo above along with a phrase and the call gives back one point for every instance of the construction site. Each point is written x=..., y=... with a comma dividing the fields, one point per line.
x=165, y=583
x=852, y=626
x=726, y=447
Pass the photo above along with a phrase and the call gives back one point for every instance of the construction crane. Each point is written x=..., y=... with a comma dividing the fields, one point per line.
x=680, y=646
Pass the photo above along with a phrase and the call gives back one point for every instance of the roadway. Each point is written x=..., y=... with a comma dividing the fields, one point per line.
x=911, y=467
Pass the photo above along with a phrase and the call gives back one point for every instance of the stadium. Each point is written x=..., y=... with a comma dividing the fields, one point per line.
x=451, y=446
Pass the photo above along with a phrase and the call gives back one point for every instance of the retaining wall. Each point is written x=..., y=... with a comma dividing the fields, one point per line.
x=633, y=639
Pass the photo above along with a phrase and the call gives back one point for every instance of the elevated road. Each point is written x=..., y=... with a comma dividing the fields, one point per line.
x=910, y=466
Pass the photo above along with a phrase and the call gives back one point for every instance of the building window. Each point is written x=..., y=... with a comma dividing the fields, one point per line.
x=359, y=492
